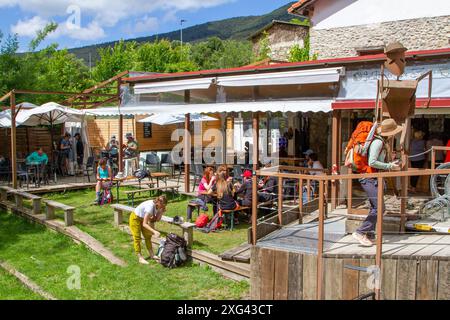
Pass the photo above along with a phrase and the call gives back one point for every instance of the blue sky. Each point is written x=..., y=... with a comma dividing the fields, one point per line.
x=85, y=22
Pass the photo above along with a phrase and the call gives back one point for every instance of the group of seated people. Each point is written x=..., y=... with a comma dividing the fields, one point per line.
x=218, y=189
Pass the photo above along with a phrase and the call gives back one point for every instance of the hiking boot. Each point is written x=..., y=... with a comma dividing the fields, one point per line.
x=362, y=239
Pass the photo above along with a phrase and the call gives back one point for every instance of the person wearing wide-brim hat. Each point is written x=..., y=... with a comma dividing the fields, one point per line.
x=376, y=160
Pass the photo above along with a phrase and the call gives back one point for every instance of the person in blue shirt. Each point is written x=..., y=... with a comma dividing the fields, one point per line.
x=104, y=178
x=37, y=157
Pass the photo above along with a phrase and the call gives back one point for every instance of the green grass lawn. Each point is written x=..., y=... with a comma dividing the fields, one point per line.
x=13, y=289
x=98, y=221
x=45, y=256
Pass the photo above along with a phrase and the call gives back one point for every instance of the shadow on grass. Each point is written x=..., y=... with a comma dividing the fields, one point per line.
x=13, y=228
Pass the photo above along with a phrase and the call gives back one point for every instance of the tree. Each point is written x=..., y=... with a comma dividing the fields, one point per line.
x=298, y=54
x=264, y=51
x=113, y=60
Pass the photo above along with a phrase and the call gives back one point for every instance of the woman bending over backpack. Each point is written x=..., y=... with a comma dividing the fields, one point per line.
x=142, y=221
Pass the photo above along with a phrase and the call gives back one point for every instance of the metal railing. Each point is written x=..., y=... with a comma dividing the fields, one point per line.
x=323, y=182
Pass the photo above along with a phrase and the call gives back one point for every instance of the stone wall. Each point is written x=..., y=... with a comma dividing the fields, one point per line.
x=282, y=37
x=414, y=34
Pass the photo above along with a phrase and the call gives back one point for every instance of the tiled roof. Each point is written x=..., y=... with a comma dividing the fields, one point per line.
x=299, y=5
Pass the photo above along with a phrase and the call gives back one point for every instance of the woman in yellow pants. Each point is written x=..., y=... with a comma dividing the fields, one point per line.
x=142, y=220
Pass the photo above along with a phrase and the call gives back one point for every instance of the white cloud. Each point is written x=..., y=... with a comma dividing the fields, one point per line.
x=146, y=25
x=28, y=28
x=99, y=14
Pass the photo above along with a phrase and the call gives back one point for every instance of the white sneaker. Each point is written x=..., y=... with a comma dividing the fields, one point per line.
x=362, y=239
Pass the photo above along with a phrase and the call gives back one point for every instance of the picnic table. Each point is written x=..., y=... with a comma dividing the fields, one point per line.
x=159, y=176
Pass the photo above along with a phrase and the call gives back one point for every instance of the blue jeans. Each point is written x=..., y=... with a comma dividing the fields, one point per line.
x=370, y=186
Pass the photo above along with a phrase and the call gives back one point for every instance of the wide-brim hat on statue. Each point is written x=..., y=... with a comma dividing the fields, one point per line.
x=394, y=48
x=389, y=128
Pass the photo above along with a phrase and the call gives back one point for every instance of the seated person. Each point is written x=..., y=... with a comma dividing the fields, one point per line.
x=267, y=187
x=223, y=169
x=313, y=163
x=104, y=178
x=40, y=159
x=245, y=189
x=204, y=187
x=225, y=193
x=37, y=157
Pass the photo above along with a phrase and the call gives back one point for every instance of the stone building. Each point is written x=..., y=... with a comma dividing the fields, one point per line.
x=344, y=28
x=282, y=36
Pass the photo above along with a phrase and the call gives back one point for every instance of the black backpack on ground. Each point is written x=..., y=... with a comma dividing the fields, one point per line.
x=174, y=251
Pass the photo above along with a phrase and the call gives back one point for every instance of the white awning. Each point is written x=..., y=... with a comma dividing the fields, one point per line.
x=169, y=86
x=311, y=105
x=142, y=110
x=327, y=75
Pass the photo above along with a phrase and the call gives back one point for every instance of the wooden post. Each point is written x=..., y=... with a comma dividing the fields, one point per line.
x=405, y=180
x=280, y=201
x=187, y=144
x=254, y=179
x=255, y=141
x=380, y=202
x=37, y=205
x=118, y=217
x=120, y=143
x=254, y=207
x=335, y=157
x=119, y=101
x=68, y=217
x=433, y=158
x=13, y=140
x=320, y=293
x=300, y=201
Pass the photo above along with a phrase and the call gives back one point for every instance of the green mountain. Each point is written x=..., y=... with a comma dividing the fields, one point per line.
x=239, y=28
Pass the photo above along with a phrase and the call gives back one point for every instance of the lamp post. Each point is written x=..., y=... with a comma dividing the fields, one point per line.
x=181, y=33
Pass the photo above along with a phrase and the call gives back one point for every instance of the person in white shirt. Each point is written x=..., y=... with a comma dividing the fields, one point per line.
x=142, y=220
x=314, y=163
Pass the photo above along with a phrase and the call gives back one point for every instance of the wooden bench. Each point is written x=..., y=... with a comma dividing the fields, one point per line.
x=18, y=198
x=130, y=194
x=186, y=227
x=36, y=200
x=231, y=212
x=4, y=192
x=51, y=206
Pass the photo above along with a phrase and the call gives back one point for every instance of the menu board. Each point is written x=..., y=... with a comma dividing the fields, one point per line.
x=147, y=130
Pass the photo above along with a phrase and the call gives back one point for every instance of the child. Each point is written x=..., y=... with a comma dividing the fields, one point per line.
x=104, y=177
x=142, y=220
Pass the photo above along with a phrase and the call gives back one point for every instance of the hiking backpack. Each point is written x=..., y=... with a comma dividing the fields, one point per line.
x=357, y=149
x=202, y=221
x=215, y=223
x=174, y=251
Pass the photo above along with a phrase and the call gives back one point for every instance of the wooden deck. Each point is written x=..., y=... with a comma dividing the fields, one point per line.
x=415, y=266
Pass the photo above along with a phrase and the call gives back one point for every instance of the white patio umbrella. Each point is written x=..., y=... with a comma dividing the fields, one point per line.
x=167, y=119
x=5, y=116
x=48, y=114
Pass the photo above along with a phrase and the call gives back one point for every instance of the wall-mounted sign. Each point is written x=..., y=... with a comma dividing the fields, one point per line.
x=147, y=130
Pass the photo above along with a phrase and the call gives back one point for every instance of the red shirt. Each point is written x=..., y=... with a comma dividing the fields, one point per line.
x=447, y=157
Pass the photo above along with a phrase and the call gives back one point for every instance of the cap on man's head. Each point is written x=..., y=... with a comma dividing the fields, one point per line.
x=247, y=174
x=308, y=152
x=113, y=137
x=129, y=135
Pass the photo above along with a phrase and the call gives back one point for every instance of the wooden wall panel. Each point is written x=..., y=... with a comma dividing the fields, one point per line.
x=388, y=279
x=100, y=130
x=267, y=274
x=28, y=139
x=281, y=275
x=427, y=276
x=309, y=277
x=255, y=273
x=295, y=276
x=444, y=281
x=350, y=280
x=333, y=278
x=406, y=279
